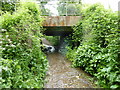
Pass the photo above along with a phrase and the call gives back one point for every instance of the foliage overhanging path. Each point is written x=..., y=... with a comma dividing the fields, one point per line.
x=23, y=63
x=98, y=45
x=96, y=39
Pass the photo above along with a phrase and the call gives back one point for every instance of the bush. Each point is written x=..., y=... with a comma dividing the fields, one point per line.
x=54, y=40
x=7, y=6
x=23, y=63
x=99, y=49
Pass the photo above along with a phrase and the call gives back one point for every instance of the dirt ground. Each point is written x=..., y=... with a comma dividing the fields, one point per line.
x=62, y=75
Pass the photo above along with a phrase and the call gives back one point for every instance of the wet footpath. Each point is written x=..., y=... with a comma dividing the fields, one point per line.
x=62, y=75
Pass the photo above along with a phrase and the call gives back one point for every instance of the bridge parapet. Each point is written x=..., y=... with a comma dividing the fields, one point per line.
x=61, y=20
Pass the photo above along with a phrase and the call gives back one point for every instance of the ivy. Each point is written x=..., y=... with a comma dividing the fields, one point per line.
x=23, y=63
x=99, y=50
x=7, y=6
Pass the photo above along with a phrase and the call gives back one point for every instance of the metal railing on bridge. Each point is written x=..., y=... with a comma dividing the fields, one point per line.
x=63, y=7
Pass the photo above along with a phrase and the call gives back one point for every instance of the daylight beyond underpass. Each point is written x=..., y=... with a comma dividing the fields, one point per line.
x=62, y=75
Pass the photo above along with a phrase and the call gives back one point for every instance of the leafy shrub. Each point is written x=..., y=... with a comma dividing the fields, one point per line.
x=23, y=63
x=7, y=6
x=54, y=40
x=99, y=49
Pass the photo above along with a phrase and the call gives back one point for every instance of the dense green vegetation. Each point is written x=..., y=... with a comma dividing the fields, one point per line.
x=69, y=7
x=95, y=45
x=7, y=6
x=54, y=40
x=98, y=52
x=23, y=63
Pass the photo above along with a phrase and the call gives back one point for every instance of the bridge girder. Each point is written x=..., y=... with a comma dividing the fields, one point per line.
x=58, y=30
x=59, y=25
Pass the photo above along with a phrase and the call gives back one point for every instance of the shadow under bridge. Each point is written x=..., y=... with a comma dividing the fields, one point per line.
x=59, y=25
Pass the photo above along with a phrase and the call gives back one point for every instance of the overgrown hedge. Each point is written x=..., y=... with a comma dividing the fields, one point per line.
x=99, y=49
x=7, y=6
x=23, y=63
x=54, y=40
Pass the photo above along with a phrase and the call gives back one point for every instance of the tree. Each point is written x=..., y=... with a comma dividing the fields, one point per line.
x=69, y=7
x=8, y=6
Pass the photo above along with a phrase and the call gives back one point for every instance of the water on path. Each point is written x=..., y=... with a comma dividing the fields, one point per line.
x=62, y=75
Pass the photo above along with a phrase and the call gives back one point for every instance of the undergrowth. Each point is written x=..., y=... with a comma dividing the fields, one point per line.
x=99, y=49
x=23, y=63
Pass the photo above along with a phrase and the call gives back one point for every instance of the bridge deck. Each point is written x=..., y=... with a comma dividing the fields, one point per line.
x=61, y=20
x=59, y=25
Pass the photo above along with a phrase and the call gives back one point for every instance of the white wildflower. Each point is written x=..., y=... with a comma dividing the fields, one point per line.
x=5, y=68
x=0, y=42
x=3, y=48
x=13, y=45
x=7, y=36
x=3, y=30
x=9, y=40
x=6, y=45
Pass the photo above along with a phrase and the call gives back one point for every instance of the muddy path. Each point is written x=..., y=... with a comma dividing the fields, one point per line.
x=62, y=75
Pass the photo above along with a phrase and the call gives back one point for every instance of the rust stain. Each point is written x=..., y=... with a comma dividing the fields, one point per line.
x=60, y=20
x=62, y=24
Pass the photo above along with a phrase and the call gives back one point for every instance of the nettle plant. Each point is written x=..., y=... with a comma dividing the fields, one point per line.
x=99, y=49
x=23, y=63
